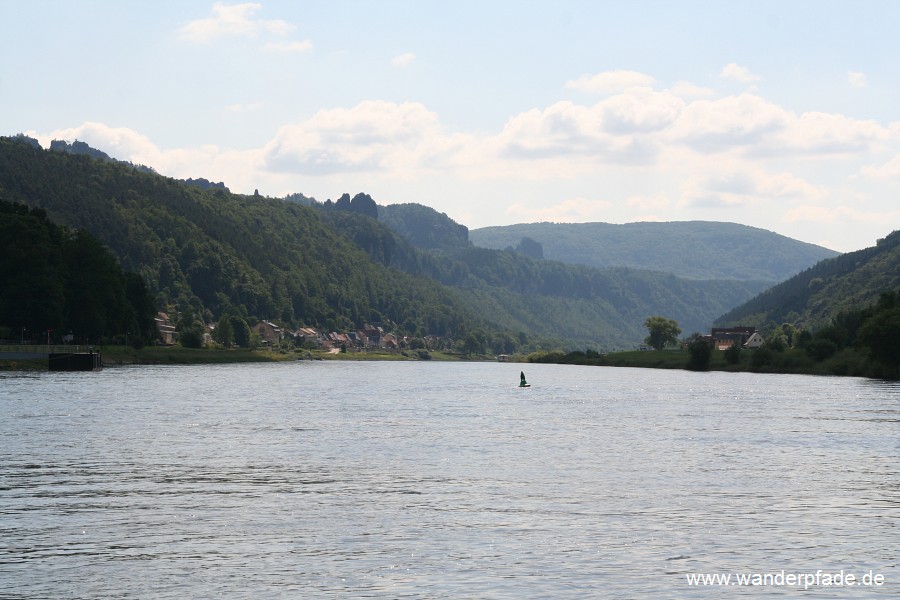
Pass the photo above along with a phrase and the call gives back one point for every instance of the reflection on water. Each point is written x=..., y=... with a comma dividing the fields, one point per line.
x=440, y=480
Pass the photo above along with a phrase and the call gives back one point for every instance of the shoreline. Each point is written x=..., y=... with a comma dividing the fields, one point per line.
x=791, y=362
x=846, y=363
x=174, y=355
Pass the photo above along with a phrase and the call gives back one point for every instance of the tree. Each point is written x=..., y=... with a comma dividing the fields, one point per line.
x=700, y=352
x=733, y=352
x=777, y=341
x=142, y=310
x=662, y=332
x=190, y=331
x=224, y=333
x=880, y=333
x=473, y=343
x=240, y=331
x=95, y=289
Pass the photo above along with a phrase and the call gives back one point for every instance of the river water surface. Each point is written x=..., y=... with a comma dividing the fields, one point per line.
x=444, y=480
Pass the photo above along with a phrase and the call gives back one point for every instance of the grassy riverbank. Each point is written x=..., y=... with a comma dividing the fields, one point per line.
x=848, y=362
x=176, y=355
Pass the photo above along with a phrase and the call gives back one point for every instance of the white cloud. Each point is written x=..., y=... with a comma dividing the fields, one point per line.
x=888, y=170
x=565, y=139
x=610, y=82
x=232, y=20
x=640, y=109
x=372, y=136
x=238, y=169
x=404, y=60
x=759, y=128
x=685, y=88
x=856, y=79
x=288, y=47
x=824, y=133
x=747, y=186
x=839, y=214
x=734, y=121
x=119, y=142
x=738, y=73
x=568, y=137
x=574, y=210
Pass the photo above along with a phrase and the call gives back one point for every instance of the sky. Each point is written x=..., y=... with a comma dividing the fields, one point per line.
x=779, y=115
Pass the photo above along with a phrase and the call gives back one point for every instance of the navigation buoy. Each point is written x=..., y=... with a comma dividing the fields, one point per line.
x=522, y=382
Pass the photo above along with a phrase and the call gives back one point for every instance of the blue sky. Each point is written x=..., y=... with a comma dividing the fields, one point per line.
x=779, y=115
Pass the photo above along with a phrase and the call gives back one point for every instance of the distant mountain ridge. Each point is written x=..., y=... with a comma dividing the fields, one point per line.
x=691, y=249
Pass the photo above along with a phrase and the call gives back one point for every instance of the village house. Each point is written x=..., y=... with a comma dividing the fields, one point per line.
x=389, y=341
x=270, y=333
x=754, y=341
x=167, y=333
x=723, y=338
x=308, y=335
x=374, y=336
x=340, y=340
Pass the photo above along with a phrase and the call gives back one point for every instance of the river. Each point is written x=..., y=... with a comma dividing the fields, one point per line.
x=445, y=480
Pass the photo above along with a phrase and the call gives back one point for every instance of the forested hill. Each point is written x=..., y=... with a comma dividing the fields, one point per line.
x=693, y=249
x=214, y=253
x=61, y=284
x=814, y=297
x=424, y=227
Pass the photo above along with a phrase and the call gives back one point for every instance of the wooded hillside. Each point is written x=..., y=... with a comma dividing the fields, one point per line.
x=813, y=298
x=60, y=284
x=205, y=250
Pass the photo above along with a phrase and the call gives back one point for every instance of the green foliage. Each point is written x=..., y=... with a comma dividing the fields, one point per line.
x=880, y=333
x=190, y=330
x=224, y=332
x=140, y=310
x=240, y=332
x=32, y=294
x=777, y=341
x=732, y=354
x=662, y=332
x=66, y=282
x=217, y=253
x=214, y=253
x=699, y=352
x=821, y=349
x=826, y=293
x=424, y=227
x=474, y=343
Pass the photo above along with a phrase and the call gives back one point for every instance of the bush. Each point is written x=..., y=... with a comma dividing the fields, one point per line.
x=821, y=349
x=761, y=357
x=700, y=354
x=733, y=354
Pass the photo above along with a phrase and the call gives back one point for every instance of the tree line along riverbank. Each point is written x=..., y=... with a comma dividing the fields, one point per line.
x=847, y=362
